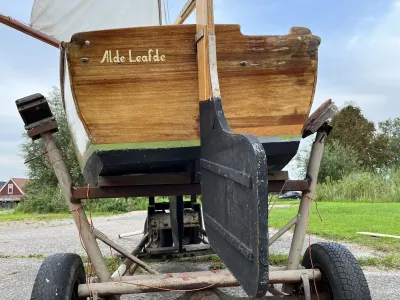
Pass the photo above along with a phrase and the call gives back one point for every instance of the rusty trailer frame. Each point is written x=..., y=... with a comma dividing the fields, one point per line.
x=122, y=282
x=108, y=286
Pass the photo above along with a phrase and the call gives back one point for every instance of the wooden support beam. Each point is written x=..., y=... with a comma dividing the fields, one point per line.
x=185, y=12
x=113, y=191
x=205, y=24
x=159, y=12
x=372, y=234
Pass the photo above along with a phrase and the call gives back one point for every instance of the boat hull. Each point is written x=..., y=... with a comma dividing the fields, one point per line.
x=172, y=160
x=132, y=95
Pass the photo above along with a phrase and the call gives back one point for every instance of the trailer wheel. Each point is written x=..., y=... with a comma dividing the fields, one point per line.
x=58, y=278
x=342, y=277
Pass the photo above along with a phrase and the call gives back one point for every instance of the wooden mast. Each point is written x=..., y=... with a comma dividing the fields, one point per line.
x=159, y=12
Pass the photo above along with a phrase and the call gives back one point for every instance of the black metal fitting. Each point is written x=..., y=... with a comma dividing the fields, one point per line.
x=37, y=116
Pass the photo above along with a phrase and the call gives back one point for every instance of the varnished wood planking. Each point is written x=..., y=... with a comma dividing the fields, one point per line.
x=135, y=102
x=205, y=23
x=285, y=77
x=150, y=102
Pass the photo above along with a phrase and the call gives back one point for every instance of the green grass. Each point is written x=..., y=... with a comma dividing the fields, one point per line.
x=34, y=256
x=389, y=261
x=19, y=216
x=341, y=221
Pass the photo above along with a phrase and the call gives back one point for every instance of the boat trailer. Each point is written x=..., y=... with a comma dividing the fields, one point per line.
x=299, y=282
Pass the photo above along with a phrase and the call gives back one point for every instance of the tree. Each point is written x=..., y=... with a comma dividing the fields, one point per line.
x=351, y=128
x=391, y=129
x=337, y=161
x=43, y=192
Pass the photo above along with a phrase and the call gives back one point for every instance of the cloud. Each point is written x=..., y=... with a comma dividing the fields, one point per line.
x=363, y=66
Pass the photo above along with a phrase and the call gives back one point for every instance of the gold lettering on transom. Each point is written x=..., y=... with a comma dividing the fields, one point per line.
x=115, y=56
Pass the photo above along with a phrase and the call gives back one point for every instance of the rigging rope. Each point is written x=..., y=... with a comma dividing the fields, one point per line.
x=166, y=12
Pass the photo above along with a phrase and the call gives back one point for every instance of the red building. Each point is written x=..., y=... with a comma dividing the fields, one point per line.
x=12, y=192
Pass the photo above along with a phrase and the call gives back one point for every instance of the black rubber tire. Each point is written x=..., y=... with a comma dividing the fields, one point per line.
x=58, y=278
x=342, y=276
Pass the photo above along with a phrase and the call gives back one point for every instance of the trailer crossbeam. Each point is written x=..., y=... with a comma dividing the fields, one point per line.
x=188, y=281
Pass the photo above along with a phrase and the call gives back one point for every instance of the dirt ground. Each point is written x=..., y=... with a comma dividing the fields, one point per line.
x=36, y=239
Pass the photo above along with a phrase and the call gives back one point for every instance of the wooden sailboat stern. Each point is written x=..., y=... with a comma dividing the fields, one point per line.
x=137, y=88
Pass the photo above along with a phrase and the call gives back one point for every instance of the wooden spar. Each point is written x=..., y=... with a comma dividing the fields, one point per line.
x=29, y=31
x=185, y=12
x=159, y=11
x=205, y=26
x=372, y=234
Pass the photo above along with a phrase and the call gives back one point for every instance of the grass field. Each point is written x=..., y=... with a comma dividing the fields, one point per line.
x=18, y=216
x=341, y=221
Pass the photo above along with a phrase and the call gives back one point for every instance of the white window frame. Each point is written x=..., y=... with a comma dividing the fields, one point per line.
x=10, y=188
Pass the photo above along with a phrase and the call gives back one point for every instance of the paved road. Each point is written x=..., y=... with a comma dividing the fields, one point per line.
x=46, y=238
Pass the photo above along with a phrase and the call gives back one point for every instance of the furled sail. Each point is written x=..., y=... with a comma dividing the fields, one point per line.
x=63, y=18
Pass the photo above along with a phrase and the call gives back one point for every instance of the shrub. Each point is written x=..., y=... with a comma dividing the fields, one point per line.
x=380, y=186
x=337, y=161
x=45, y=199
x=118, y=205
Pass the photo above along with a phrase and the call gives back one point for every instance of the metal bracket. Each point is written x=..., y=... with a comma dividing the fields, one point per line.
x=176, y=219
x=199, y=35
x=95, y=295
x=326, y=111
x=306, y=286
x=37, y=116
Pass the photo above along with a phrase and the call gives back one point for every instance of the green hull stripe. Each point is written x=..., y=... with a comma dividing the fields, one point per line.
x=170, y=144
x=148, y=145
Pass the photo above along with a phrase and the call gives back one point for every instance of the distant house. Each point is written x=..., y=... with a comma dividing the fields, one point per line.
x=12, y=192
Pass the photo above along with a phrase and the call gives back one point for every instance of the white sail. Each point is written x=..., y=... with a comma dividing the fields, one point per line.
x=63, y=18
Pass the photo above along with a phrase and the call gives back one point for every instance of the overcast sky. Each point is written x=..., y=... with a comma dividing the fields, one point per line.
x=358, y=57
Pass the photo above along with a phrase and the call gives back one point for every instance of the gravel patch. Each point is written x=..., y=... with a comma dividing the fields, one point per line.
x=18, y=276
x=50, y=237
